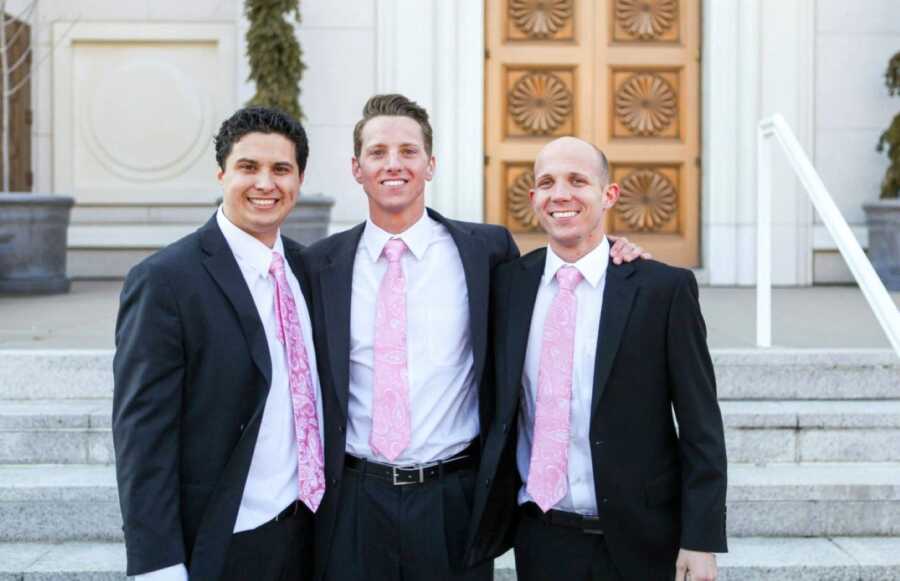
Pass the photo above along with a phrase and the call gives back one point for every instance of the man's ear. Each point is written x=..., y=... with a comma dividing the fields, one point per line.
x=355, y=169
x=429, y=171
x=220, y=174
x=612, y=195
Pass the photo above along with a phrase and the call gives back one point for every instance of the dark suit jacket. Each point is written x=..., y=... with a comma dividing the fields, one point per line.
x=192, y=374
x=330, y=269
x=657, y=490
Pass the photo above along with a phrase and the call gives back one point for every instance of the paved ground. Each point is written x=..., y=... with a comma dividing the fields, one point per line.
x=831, y=317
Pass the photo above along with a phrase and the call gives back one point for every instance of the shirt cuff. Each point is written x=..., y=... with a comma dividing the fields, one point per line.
x=174, y=573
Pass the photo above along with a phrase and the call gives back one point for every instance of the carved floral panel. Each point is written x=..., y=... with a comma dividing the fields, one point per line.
x=645, y=103
x=645, y=20
x=538, y=20
x=540, y=102
x=648, y=201
x=518, y=179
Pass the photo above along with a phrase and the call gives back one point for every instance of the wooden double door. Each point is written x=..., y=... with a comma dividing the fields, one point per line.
x=622, y=74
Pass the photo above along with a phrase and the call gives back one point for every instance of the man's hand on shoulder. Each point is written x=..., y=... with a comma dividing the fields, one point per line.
x=624, y=251
x=700, y=566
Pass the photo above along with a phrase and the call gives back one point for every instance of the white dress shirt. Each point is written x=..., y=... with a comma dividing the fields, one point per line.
x=580, y=496
x=442, y=389
x=272, y=480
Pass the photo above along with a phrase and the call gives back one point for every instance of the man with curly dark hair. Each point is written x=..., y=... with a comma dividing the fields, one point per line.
x=216, y=409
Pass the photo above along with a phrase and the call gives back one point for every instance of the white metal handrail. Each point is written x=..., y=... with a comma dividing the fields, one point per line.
x=872, y=287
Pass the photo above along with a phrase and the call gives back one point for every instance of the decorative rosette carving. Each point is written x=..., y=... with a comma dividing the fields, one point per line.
x=540, y=102
x=646, y=19
x=647, y=201
x=519, y=203
x=646, y=103
x=540, y=18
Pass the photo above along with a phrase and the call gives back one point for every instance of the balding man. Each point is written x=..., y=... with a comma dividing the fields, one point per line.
x=591, y=358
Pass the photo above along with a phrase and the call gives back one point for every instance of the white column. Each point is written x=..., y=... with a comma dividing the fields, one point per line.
x=432, y=51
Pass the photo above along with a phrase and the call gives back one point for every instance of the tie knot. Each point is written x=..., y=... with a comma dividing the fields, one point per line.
x=568, y=277
x=394, y=249
x=277, y=265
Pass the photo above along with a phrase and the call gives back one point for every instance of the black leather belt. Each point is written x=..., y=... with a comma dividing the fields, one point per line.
x=406, y=475
x=588, y=524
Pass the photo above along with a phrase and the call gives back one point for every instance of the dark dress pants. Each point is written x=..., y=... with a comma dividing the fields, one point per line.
x=403, y=533
x=550, y=552
x=280, y=550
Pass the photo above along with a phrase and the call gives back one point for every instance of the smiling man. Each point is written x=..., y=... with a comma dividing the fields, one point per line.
x=401, y=322
x=591, y=359
x=216, y=409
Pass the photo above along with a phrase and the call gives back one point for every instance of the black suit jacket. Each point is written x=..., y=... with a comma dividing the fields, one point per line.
x=192, y=373
x=657, y=490
x=330, y=269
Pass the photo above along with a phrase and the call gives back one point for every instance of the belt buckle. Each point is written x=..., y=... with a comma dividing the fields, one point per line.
x=395, y=471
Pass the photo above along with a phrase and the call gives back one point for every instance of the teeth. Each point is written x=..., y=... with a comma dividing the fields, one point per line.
x=267, y=203
x=393, y=183
x=564, y=214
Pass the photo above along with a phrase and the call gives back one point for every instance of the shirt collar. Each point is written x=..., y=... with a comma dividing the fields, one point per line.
x=247, y=248
x=592, y=265
x=417, y=237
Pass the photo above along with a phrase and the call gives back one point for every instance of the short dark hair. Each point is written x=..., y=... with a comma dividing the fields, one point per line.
x=393, y=105
x=261, y=120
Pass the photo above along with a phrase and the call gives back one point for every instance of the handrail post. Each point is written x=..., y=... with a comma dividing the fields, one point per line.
x=763, y=239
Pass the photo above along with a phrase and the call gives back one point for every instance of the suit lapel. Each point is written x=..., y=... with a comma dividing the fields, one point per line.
x=618, y=297
x=526, y=278
x=477, y=268
x=293, y=253
x=336, y=282
x=222, y=266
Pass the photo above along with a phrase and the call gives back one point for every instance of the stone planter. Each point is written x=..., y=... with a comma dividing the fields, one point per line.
x=33, y=236
x=883, y=219
x=308, y=221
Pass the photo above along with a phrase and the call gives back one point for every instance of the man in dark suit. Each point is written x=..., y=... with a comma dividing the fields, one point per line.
x=591, y=358
x=216, y=408
x=400, y=317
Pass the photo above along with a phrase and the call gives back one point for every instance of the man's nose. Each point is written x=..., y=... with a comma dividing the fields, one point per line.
x=560, y=193
x=264, y=181
x=393, y=160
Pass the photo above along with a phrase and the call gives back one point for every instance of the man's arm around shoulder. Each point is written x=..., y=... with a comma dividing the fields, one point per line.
x=148, y=369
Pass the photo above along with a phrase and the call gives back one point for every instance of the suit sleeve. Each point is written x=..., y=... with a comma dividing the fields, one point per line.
x=701, y=436
x=149, y=370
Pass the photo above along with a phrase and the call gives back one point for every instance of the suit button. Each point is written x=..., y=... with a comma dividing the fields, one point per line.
x=599, y=442
x=334, y=481
x=487, y=482
x=604, y=500
x=505, y=428
x=241, y=428
x=341, y=429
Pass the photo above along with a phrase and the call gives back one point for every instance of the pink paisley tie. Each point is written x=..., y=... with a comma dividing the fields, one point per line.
x=547, y=473
x=391, y=426
x=310, y=458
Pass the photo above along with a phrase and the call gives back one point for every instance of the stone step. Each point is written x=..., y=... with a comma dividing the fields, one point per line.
x=77, y=431
x=759, y=374
x=812, y=431
x=814, y=499
x=79, y=502
x=749, y=559
x=51, y=503
x=56, y=431
x=55, y=374
x=788, y=374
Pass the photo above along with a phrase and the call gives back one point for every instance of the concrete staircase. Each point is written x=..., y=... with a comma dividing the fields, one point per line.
x=813, y=439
